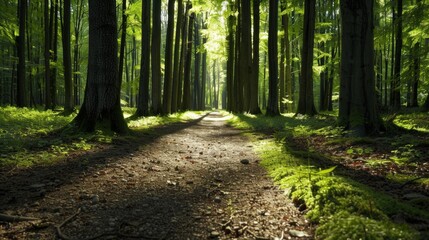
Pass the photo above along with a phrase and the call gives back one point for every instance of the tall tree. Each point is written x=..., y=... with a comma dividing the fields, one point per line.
x=197, y=63
x=68, y=88
x=123, y=40
x=245, y=55
x=358, y=106
x=183, y=56
x=21, y=95
x=47, y=55
x=102, y=93
x=186, y=103
x=168, y=72
x=78, y=15
x=230, y=58
x=143, y=102
x=156, y=58
x=53, y=33
x=176, y=66
x=306, y=96
x=282, y=58
x=396, y=86
x=254, y=84
x=273, y=102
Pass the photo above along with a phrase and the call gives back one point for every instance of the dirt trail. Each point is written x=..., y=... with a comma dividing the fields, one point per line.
x=195, y=180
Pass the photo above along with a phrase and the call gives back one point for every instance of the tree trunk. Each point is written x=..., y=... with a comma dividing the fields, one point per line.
x=53, y=29
x=183, y=57
x=48, y=98
x=168, y=72
x=306, y=96
x=197, y=62
x=143, y=103
x=186, y=104
x=245, y=53
x=415, y=76
x=230, y=60
x=282, y=59
x=21, y=93
x=358, y=107
x=238, y=88
x=203, y=68
x=273, y=102
x=177, y=46
x=102, y=93
x=289, y=89
x=68, y=88
x=156, y=58
x=122, y=47
x=254, y=82
x=398, y=52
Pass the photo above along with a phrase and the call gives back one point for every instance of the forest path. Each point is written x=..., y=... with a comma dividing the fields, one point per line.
x=194, y=180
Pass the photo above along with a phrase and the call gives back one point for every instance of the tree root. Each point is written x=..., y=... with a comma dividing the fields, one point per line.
x=12, y=218
x=58, y=227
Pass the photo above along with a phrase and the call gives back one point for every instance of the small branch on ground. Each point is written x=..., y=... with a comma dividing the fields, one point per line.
x=256, y=236
x=12, y=218
x=58, y=227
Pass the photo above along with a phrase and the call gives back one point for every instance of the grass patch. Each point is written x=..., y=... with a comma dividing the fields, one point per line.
x=343, y=208
x=31, y=136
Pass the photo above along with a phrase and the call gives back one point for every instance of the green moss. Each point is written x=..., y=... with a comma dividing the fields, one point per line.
x=344, y=225
x=343, y=208
x=31, y=136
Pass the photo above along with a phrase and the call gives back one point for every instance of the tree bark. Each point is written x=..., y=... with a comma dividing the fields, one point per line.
x=358, y=106
x=21, y=94
x=48, y=99
x=197, y=64
x=68, y=88
x=183, y=57
x=396, y=104
x=177, y=46
x=230, y=60
x=306, y=96
x=143, y=103
x=273, y=102
x=254, y=84
x=245, y=53
x=123, y=41
x=186, y=103
x=156, y=58
x=102, y=93
x=168, y=72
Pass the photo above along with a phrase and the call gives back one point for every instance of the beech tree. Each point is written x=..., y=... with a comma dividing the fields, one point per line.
x=358, y=107
x=273, y=103
x=143, y=103
x=21, y=100
x=102, y=93
x=68, y=89
x=306, y=96
x=156, y=58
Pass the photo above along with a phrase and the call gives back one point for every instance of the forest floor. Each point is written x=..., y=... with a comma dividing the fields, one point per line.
x=195, y=180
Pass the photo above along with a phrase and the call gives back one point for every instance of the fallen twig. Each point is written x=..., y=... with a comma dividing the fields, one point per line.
x=410, y=181
x=13, y=218
x=256, y=236
x=58, y=227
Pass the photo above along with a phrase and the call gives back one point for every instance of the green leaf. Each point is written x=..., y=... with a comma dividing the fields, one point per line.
x=326, y=171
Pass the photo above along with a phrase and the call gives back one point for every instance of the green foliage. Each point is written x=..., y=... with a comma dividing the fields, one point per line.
x=343, y=208
x=347, y=226
x=29, y=136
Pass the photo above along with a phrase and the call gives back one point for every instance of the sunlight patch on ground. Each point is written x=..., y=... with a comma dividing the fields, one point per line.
x=218, y=117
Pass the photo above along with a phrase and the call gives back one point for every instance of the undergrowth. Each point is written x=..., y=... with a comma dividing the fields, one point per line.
x=342, y=207
x=31, y=136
